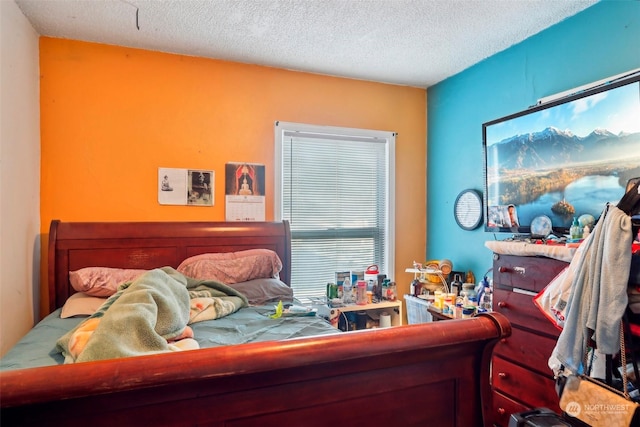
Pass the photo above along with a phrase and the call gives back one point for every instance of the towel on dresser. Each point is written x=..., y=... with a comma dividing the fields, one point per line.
x=149, y=315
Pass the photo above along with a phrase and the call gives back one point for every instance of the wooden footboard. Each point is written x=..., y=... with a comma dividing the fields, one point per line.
x=426, y=375
x=434, y=374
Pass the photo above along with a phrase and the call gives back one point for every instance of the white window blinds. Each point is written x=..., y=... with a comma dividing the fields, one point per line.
x=333, y=185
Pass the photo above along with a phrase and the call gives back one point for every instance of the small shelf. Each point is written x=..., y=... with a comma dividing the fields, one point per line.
x=394, y=308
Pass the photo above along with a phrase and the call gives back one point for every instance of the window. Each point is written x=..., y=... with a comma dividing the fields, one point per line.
x=334, y=185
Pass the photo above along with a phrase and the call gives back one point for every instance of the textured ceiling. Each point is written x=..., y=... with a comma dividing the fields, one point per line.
x=406, y=42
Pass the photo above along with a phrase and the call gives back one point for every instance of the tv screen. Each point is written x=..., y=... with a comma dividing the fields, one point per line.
x=562, y=160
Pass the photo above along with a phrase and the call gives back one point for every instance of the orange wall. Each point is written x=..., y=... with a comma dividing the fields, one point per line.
x=110, y=116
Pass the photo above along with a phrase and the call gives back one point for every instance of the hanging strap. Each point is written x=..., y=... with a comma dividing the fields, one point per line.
x=588, y=362
x=623, y=362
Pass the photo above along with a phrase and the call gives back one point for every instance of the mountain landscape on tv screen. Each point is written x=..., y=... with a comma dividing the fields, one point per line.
x=554, y=148
x=536, y=168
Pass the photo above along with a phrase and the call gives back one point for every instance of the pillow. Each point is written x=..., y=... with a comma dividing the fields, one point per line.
x=81, y=304
x=263, y=291
x=233, y=267
x=101, y=281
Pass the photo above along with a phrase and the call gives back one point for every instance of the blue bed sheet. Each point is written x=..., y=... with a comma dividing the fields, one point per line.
x=249, y=324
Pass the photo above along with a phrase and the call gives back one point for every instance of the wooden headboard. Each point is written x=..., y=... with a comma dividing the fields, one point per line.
x=148, y=245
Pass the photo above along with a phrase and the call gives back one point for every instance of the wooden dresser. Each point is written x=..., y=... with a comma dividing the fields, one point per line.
x=520, y=376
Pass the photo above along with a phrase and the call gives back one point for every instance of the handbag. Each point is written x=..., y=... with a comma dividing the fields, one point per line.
x=596, y=403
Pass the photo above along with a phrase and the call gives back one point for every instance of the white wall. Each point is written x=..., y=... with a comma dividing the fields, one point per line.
x=19, y=175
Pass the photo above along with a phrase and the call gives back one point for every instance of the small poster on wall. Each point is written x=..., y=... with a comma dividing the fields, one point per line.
x=185, y=187
x=503, y=216
x=245, y=192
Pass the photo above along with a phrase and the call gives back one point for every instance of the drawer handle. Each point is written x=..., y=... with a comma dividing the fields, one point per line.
x=502, y=374
x=502, y=411
x=518, y=270
x=502, y=304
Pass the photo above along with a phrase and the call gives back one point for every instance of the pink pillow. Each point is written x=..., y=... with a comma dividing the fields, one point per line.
x=102, y=281
x=233, y=267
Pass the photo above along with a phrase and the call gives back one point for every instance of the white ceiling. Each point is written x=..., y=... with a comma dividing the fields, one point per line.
x=407, y=42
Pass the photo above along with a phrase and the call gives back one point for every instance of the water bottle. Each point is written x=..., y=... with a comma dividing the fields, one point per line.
x=347, y=292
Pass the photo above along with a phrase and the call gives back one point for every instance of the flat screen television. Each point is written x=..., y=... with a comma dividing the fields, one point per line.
x=561, y=160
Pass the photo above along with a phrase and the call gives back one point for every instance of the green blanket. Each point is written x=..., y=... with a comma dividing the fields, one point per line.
x=146, y=315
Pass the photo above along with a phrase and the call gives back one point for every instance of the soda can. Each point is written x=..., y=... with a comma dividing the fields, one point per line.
x=332, y=291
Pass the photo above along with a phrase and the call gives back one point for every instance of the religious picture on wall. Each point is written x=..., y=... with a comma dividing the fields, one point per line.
x=172, y=186
x=245, y=192
x=185, y=187
x=200, y=191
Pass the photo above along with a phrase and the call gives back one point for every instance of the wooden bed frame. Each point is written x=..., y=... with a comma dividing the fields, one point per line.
x=428, y=374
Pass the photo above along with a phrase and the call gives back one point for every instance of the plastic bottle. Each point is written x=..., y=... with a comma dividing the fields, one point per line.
x=392, y=291
x=486, y=302
x=379, y=294
x=456, y=285
x=457, y=313
x=416, y=287
x=480, y=293
x=575, y=232
x=469, y=294
x=347, y=292
x=361, y=294
x=487, y=299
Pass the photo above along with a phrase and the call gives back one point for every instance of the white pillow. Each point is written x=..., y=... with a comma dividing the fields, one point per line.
x=81, y=304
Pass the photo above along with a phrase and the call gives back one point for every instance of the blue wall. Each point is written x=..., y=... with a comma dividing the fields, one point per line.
x=599, y=42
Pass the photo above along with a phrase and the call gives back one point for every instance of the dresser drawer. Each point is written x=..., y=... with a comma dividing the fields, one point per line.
x=528, y=349
x=530, y=273
x=502, y=407
x=532, y=389
x=521, y=311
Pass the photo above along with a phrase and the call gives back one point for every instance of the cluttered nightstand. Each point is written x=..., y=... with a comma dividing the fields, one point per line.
x=437, y=315
x=366, y=316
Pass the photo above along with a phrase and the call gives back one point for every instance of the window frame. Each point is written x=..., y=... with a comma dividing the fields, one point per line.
x=281, y=128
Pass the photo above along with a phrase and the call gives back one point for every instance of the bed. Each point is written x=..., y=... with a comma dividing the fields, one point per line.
x=427, y=374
